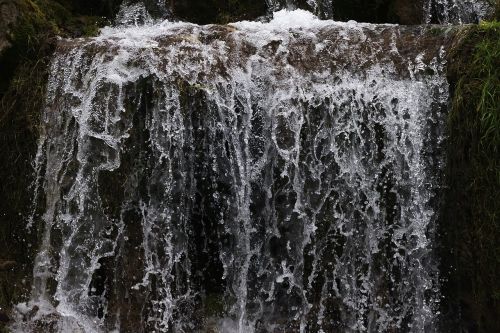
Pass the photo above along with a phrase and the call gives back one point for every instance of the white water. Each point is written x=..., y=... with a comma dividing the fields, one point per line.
x=293, y=164
x=457, y=11
x=436, y=11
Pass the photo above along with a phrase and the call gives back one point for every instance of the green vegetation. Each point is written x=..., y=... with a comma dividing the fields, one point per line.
x=478, y=86
x=32, y=35
x=471, y=228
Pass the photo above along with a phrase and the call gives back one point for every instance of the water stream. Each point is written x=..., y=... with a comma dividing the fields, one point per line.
x=254, y=177
x=435, y=11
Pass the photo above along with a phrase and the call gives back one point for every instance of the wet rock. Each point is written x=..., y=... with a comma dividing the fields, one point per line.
x=6, y=265
x=217, y=11
x=31, y=313
x=371, y=11
x=107, y=8
x=409, y=11
x=4, y=318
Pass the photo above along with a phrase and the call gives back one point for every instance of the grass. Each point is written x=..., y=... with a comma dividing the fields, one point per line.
x=470, y=226
x=487, y=63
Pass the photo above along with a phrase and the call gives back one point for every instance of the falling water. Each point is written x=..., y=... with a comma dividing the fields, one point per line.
x=255, y=177
x=435, y=11
x=457, y=11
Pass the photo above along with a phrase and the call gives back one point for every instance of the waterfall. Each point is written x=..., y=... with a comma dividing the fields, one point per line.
x=254, y=177
x=435, y=11
x=457, y=11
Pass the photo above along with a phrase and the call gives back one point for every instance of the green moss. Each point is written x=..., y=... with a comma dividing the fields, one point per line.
x=38, y=22
x=470, y=224
x=480, y=84
x=437, y=30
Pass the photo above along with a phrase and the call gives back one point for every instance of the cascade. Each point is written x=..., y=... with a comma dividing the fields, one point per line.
x=254, y=177
x=457, y=11
x=435, y=11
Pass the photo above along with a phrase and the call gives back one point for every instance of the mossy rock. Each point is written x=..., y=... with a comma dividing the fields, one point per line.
x=469, y=221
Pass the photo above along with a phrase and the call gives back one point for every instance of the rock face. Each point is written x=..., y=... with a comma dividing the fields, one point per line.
x=107, y=8
x=218, y=11
x=378, y=11
x=409, y=11
x=396, y=11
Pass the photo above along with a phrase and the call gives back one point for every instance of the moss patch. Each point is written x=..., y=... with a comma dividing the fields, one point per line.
x=40, y=21
x=470, y=221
